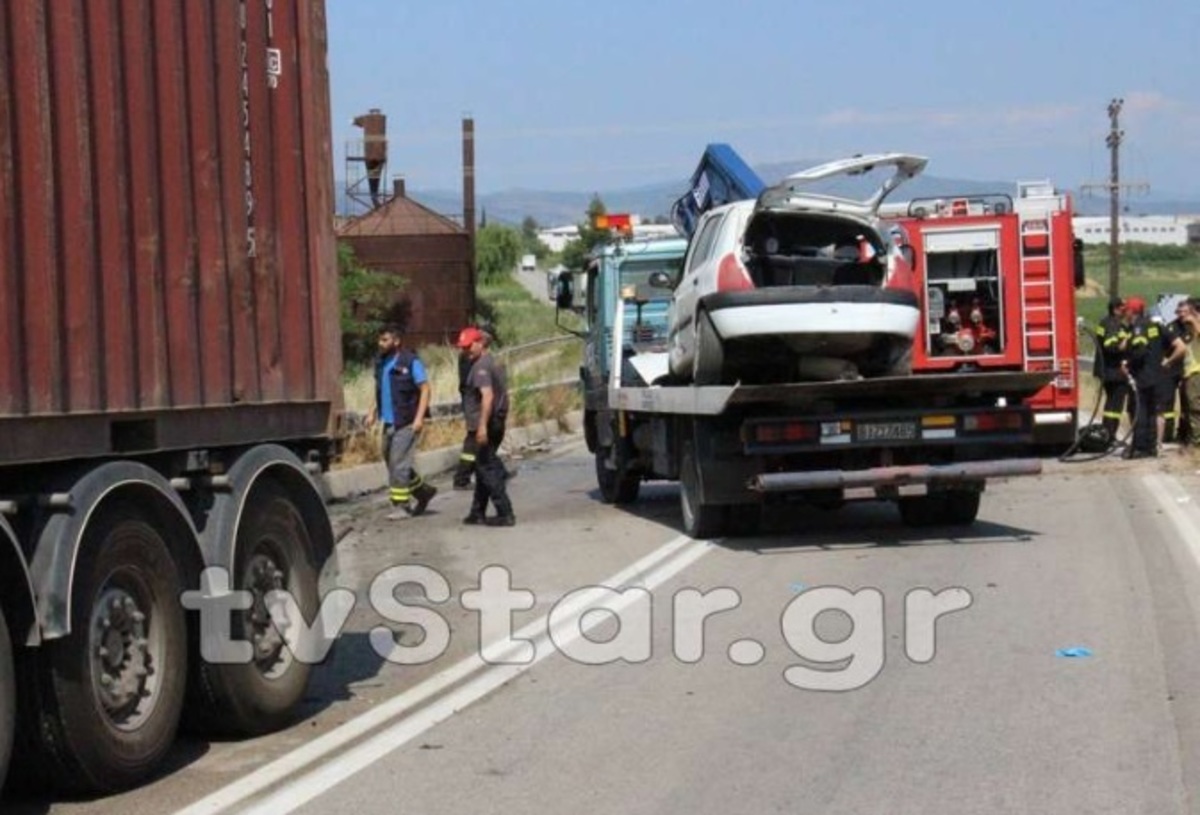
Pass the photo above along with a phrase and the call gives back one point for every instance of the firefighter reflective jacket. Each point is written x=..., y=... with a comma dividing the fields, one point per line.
x=1112, y=339
x=1147, y=350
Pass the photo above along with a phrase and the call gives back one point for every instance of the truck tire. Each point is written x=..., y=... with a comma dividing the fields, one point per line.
x=744, y=520
x=950, y=508
x=8, y=699
x=962, y=507
x=708, y=365
x=274, y=551
x=110, y=694
x=617, y=486
x=700, y=520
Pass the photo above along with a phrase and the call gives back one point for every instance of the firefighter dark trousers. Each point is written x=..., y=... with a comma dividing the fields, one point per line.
x=490, y=476
x=1145, y=426
x=466, y=461
x=1116, y=397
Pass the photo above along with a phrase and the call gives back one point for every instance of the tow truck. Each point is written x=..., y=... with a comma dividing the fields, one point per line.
x=996, y=274
x=929, y=444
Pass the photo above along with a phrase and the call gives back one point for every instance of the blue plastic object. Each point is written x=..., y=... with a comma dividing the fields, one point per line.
x=721, y=177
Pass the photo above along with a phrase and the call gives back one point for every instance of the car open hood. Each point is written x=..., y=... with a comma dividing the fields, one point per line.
x=789, y=193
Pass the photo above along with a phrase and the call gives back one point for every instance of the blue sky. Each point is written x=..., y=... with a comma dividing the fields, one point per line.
x=599, y=95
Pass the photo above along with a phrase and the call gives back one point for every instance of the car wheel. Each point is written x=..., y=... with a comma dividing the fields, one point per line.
x=709, y=362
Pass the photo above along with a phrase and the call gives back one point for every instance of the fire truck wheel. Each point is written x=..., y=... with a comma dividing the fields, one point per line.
x=110, y=694
x=700, y=520
x=8, y=698
x=274, y=552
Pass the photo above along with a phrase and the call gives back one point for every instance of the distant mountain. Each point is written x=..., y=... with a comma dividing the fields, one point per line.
x=550, y=208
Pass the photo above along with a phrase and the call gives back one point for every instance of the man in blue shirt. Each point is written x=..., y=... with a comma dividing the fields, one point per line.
x=401, y=404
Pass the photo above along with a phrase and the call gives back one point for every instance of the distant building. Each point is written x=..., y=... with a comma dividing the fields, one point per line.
x=557, y=237
x=430, y=251
x=1161, y=230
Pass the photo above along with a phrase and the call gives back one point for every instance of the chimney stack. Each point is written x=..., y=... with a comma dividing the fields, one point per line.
x=398, y=186
x=468, y=147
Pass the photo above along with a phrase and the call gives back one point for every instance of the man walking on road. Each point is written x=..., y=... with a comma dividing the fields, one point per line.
x=485, y=406
x=401, y=404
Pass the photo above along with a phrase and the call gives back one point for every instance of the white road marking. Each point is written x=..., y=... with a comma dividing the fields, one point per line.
x=1177, y=505
x=683, y=550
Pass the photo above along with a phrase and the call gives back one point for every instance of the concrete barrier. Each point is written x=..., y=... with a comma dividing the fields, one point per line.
x=352, y=482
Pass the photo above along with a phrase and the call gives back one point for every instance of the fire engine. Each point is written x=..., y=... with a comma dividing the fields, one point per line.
x=997, y=278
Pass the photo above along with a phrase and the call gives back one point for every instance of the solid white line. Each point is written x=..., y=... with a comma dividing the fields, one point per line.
x=343, y=766
x=287, y=766
x=1178, y=505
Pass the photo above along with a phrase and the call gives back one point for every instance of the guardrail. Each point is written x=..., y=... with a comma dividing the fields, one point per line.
x=446, y=411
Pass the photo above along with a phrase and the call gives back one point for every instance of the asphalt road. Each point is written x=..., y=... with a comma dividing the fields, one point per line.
x=981, y=709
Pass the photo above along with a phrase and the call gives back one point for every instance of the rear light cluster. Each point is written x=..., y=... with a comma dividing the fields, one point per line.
x=939, y=427
x=992, y=422
x=785, y=432
x=732, y=275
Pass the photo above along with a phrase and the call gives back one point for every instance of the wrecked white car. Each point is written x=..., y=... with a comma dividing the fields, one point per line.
x=797, y=285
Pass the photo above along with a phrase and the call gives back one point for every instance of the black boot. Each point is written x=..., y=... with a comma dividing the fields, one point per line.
x=422, y=495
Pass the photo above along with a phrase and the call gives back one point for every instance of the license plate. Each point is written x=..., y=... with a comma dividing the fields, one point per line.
x=886, y=431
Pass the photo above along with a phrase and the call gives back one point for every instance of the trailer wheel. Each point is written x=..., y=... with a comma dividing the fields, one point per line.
x=273, y=553
x=110, y=694
x=709, y=362
x=617, y=486
x=8, y=699
x=700, y=520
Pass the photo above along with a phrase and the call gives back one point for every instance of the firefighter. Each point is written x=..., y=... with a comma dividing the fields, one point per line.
x=1172, y=401
x=1112, y=339
x=466, y=457
x=1150, y=349
x=1181, y=431
x=1190, y=398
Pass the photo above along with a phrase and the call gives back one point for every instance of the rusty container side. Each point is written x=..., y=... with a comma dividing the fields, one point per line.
x=167, y=268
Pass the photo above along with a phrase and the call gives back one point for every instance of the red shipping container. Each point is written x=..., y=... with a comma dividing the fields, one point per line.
x=167, y=266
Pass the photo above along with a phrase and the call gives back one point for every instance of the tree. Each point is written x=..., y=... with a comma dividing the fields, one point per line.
x=575, y=253
x=531, y=244
x=368, y=299
x=497, y=251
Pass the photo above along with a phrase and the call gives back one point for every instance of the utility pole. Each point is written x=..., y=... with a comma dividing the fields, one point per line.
x=1115, y=136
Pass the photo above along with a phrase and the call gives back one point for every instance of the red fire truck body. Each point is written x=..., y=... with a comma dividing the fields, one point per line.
x=997, y=279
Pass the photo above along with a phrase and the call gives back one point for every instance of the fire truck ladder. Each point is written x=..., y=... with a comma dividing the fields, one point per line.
x=1037, y=291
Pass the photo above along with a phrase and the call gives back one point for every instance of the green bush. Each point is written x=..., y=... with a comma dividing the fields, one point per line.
x=368, y=300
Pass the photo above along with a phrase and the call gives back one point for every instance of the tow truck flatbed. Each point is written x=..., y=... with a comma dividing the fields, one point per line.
x=714, y=400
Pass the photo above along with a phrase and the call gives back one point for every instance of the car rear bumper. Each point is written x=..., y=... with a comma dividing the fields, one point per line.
x=816, y=312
